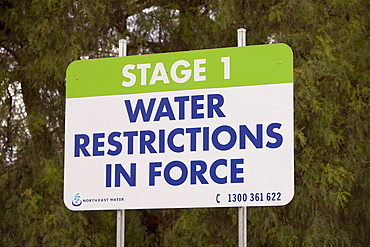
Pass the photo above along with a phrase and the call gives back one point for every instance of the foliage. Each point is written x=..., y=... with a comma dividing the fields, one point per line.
x=330, y=41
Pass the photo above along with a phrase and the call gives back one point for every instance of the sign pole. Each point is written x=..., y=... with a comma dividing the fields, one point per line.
x=242, y=219
x=242, y=211
x=121, y=228
x=122, y=52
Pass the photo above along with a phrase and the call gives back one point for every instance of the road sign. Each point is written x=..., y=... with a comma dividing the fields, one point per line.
x=208, y=128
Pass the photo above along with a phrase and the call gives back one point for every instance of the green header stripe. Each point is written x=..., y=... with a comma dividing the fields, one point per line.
x=226, y=67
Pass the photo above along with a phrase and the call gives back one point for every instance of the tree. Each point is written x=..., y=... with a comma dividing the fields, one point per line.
x=38, y=39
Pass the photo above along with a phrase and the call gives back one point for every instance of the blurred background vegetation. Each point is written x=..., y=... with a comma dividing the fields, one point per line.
x=331, y=45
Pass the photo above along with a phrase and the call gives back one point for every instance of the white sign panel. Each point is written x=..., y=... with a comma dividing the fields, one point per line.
x=206, y=147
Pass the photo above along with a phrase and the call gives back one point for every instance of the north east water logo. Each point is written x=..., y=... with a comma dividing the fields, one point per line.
x=77, y=200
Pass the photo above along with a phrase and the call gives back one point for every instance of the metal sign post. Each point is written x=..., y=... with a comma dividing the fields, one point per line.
x=242, y=211
x=120, y=228
x=122, y=52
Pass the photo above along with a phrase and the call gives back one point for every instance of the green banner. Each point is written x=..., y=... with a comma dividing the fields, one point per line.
x=213, y=68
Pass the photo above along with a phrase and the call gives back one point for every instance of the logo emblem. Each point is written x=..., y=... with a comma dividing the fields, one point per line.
x=77, y=200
